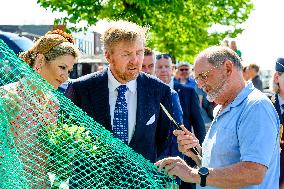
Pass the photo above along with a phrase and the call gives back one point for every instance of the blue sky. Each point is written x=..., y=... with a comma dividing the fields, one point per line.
x=261, y=42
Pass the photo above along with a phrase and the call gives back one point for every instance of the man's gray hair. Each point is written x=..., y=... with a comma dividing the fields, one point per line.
x=217, y=55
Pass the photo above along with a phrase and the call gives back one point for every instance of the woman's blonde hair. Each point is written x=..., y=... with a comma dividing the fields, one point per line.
x=52, y=45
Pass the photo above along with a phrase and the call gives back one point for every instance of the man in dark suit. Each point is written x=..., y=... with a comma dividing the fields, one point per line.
x=278, y=101
x=189, y=102
x=253, y=70
x=121, y=98
x=148, y=67
x=192, y=118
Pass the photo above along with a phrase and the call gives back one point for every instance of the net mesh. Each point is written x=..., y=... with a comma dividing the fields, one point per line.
x=48, y=142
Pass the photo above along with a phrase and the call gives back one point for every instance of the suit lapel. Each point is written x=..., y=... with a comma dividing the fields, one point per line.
x=180, y=93
x=100, y=101
x=142, y=110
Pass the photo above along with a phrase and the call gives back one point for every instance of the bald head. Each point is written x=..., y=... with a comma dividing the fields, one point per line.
x=216, y=55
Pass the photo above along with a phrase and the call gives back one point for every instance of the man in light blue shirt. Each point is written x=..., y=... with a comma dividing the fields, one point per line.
x=241, y=148
x=245, y=131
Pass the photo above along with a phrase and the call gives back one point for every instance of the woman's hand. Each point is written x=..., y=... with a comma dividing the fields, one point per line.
x=175, y=166
x=186, y=141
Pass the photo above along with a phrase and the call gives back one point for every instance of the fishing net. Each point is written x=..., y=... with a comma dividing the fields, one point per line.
x=48, y=142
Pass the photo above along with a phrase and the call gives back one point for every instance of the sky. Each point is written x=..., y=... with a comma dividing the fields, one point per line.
x=260, y=43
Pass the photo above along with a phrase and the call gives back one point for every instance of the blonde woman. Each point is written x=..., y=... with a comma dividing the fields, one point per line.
x=31, y=109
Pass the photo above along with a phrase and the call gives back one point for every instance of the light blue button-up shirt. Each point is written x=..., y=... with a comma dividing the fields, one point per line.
x=246, y=130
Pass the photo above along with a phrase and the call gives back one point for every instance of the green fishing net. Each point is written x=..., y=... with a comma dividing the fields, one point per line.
x=48, y=142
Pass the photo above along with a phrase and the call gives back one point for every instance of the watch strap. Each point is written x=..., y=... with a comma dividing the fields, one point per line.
x=203, y=180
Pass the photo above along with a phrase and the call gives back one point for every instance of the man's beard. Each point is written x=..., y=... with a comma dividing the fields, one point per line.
x=222, y=86
x=124, y=74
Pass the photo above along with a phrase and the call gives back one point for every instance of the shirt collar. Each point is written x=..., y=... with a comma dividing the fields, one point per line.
x=241, y=96
x=113, y=83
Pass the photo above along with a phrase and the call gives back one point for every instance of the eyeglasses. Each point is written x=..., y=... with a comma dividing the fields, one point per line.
x=165, y=56
x=203, y=76
x=183, y=70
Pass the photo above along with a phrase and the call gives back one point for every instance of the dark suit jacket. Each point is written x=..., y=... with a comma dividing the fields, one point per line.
x=91, y=93
x=191, y=111
x=275, y=101
x=257, y=83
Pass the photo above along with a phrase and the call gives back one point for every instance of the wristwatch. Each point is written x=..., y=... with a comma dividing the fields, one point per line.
x=203, y=172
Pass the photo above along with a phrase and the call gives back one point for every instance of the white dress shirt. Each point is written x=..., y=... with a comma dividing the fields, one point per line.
x=131, y=99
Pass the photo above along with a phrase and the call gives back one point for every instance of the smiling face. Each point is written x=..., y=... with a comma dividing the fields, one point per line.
x=125, y=59
x=57, y=71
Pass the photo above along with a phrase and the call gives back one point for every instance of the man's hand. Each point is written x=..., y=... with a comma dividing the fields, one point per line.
x=175, y=166
x=186, y=141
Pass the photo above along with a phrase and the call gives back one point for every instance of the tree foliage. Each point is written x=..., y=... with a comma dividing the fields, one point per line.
x=179, y=27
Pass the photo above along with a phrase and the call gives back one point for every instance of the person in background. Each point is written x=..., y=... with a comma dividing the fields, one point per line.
x=225, y=42
x=278, y=101
x=183, y=75
x=148, y=67
x=233, y=46
x=184, y=78
x=241, y=148
x=174, y=70
x=192, y=118
x=246, y=73
x=148, y=61
x=100, y=68
x=189, y=101
x=253, y=73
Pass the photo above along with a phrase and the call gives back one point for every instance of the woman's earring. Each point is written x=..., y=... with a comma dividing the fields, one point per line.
x=37, y=70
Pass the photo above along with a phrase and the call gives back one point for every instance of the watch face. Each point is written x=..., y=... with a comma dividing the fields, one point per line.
x=203, y=171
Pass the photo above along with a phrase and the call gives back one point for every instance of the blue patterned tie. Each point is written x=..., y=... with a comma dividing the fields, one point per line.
x=120, y=119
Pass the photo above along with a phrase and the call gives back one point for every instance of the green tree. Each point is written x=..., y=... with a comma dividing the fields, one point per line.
x=179, y=27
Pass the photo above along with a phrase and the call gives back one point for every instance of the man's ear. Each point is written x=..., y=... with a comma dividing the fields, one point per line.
x=276, y=77
x=108, y=56
x=229, y=67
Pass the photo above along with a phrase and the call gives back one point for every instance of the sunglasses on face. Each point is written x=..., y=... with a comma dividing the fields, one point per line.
x=203, y=76
x=165, y=56
x=183, y=70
